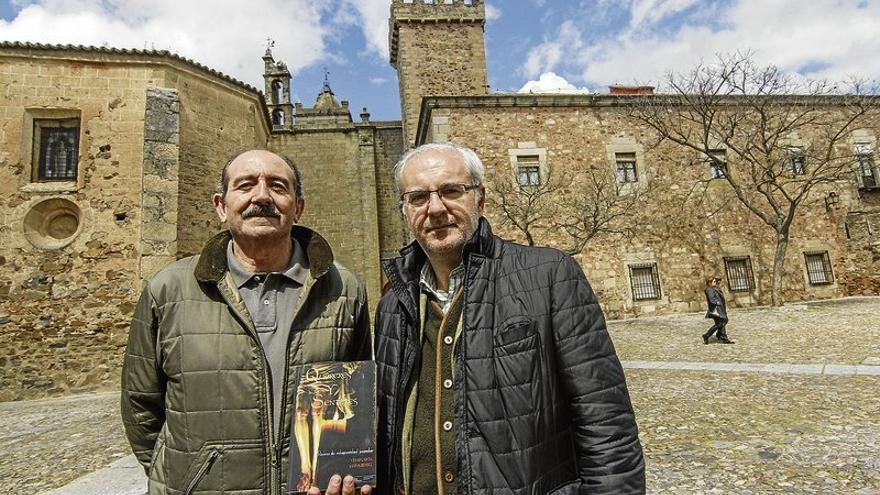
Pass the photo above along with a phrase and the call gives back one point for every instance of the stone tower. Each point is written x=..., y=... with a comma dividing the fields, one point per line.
x=277, y=79
x=437, y=49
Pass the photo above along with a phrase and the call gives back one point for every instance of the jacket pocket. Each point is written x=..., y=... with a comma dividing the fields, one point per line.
x=517, y=361
x=208, y=456
x=518, y=345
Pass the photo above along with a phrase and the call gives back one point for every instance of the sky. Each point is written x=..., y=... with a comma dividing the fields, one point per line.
x=531, y=45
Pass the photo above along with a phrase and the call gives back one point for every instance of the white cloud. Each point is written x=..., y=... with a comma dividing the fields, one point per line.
x=227, y=35
x=653, y=11
x=549, y=54
x=493, y=13
x=833, y=39
x=549, y=82
x=374, y=23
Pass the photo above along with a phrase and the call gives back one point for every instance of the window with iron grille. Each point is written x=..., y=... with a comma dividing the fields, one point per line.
x=626, y=167
x=718, y=163
x=819, y=268
x=865, y=170
x=739, y=274
x=797, y=162
x=644, y=281
x=56, y=149
x=528, y=171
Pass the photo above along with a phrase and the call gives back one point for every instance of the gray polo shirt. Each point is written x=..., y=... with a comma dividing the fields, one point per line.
x=271, y=300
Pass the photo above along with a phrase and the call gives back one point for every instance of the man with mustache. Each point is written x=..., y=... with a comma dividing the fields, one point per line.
x=495, y=371
x=206, y=401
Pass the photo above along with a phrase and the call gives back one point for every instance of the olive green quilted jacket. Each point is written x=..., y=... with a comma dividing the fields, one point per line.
x=196, y=392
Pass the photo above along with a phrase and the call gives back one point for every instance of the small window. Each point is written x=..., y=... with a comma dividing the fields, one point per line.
x=528, y=171
x=865, y=171
x=718, y=163
x=645, y=281
x=626, y=167
x=819, y=268
x=56, y=149
x=797, y=162
x=739, y=274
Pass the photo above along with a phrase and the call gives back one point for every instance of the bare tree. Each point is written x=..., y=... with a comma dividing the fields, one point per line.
x=583, y=206
x=527, y=207
x=771, y=137
x=599, y=204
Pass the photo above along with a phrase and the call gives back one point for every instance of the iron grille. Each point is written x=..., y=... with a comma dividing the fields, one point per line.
x=866, y=176
x=626, y=167
x=645, y=282
x=529, y=175
x=58, y=153
x=819, y=268
x=739, y=274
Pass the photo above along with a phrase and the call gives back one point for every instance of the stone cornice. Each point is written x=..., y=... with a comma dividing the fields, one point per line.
x=133, y=55
x=594, y=100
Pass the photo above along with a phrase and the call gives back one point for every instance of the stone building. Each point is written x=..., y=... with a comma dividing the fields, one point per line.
x=108, y=159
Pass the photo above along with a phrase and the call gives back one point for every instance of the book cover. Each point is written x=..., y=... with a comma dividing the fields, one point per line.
x=334, y=424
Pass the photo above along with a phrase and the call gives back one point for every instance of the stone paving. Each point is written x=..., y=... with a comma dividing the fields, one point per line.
x=785, y=410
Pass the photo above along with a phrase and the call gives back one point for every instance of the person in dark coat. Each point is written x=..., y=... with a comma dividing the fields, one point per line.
x=717, y=311
x=495, y=371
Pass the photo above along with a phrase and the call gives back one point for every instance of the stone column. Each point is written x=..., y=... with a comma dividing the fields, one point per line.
x=160, y=180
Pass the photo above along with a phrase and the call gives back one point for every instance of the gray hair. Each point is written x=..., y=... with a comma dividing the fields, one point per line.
x=471, y=160
x=223, y=183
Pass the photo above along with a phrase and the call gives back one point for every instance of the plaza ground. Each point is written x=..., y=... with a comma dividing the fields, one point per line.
x=793, y=407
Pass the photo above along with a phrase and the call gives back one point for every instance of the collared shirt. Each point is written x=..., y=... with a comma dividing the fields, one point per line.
x=428, y=284
x=271, y=299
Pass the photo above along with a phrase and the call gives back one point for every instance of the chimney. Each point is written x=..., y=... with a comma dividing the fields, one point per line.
x=621, y=90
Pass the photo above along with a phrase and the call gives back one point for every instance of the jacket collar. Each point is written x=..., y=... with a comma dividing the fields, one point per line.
x=212, y=262
x=403, y=271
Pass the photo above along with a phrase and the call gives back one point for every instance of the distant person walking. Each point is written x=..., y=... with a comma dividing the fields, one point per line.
x=717, y=311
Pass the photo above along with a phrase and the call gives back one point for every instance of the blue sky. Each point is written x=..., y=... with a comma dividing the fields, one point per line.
x=537, y=45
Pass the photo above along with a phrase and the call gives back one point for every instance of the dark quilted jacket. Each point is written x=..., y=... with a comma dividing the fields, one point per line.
x=540, y=400
x=195, y=387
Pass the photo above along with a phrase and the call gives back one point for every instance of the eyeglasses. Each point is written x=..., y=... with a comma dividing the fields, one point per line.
x=446, y=192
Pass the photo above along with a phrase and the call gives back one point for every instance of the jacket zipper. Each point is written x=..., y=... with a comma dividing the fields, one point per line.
x=200, y=474
x=267, y=382
x=279, y=446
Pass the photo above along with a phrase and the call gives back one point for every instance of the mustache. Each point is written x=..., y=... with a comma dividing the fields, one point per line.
x=258, y=210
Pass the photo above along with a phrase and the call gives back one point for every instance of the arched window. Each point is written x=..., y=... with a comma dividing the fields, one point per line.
x=279, y=117
x=277, y=91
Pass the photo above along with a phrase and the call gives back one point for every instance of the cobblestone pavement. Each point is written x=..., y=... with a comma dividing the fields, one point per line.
x=45, y=444
x=844, y=331
x=704, y=431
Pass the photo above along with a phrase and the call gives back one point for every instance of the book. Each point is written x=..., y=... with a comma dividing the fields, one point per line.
x=333, y=428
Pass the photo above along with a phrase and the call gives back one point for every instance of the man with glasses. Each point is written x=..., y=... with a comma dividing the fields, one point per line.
x=495, y=370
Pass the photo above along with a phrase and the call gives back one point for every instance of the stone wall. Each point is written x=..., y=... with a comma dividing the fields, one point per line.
x=216, y=120
x=685, y=232
x=862, y=262
x=65, y=303
x=393, y=233
x=154, y=132
x=338, y=171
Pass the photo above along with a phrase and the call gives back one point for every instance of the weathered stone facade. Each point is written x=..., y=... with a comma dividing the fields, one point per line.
x=154, y=131
x=438, y=49
x=673, y=231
